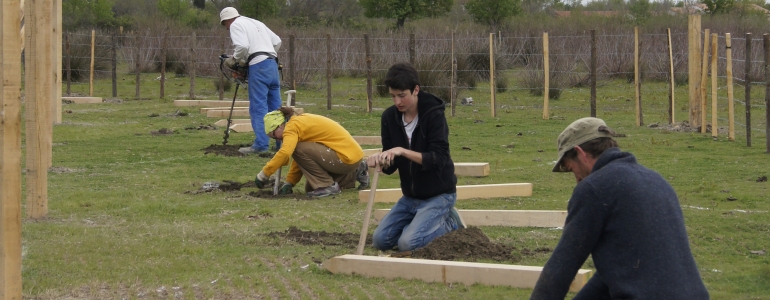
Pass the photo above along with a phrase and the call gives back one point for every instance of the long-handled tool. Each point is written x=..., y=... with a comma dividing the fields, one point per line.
x=239, y=76
x=277, y=181
x=368, y=214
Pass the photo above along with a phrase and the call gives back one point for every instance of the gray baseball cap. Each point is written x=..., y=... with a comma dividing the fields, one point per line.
x=579, y=132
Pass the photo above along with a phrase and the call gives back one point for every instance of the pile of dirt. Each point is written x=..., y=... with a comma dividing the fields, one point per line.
x=225, y=186
x=466, y=244
x=224, y=150
x=319, y=238
x=267, y=193
x=201, y=127
x=163, y=131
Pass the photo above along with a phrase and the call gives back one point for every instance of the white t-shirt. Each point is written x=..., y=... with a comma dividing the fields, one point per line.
x=409, y=127
x=251, y=36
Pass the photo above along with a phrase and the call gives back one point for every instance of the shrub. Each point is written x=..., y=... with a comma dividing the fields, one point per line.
x=501, y=83
x=226, y=84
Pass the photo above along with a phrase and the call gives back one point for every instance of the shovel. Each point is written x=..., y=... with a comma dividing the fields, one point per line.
x=368, y=214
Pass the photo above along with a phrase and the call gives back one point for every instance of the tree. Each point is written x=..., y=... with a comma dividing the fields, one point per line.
x=173, y=9
x=87, y=13
x=718, y=6
x=199, y=4
x=405, y=9
x=258, y=9
x=492, y=12
x=640, y=10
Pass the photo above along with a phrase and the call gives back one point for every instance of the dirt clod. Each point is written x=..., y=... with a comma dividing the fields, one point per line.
x=201, y=127
x=762, y=179
x=163, y=131
x=467, y=244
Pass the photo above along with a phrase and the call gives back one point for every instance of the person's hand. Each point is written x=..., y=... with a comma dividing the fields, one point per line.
x=386, y=158
x=373, y=162
x=230, y=62
x=261, y=180
x=286, y=189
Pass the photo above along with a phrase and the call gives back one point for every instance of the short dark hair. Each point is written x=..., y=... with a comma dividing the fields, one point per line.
x=593, y=147
x=402, y=76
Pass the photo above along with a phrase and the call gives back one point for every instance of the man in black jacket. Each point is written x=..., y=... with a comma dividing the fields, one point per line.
x=415, y=141
x=627, y=217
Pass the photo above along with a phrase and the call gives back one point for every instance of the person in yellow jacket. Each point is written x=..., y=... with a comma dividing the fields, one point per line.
x=323, y=151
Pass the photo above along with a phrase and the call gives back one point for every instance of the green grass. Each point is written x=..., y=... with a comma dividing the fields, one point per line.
x=122, y=226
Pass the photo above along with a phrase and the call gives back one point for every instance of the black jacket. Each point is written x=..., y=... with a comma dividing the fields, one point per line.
x=628, y=218
x=436, y=175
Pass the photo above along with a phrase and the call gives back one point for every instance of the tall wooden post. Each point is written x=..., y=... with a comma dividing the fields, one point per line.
x=69, y=61
x=56, y=42
x=730, y=100
x=114, y=61
x=704, y=76
x=138, y=64
x=163, y=54
x=412, y=46
x=292, y=65
x=637, y=83
x=193, y=59
x=714, y=127
x=747, y=91
x=672, y=83
x=368, y=74
x=452, y=77
x=91, y=73
x=546, y=76
x=593, y=73
x=38, y=86
x=10, y=151
x=492, y=89
x=766, y=43
x=328, y=71
x=694, y=68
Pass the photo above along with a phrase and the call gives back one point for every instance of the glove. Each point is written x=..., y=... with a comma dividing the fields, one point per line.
x=230, y=62
x=286, y=189
x=261, y=180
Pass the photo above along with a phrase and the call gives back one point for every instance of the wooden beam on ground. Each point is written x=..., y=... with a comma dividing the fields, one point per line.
x=223, y=122
x=203, y=110
x=82, y=100
x=368, y=140
x=211, y=103
x=508, y=218
x=224, y=113
x=445, y=272
x=482, y=191
x=477, y=169
x=242, y=128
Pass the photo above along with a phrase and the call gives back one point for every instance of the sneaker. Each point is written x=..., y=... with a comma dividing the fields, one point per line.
x=455, y=215
x=362, y=175
x=248, y=150
x=333, y=189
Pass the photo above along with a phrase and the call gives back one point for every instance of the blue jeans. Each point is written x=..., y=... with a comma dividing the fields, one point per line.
x=413, y=223
x=264, y=97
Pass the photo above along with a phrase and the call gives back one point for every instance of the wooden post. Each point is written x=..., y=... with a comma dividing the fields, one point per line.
x=730, y=100
x=766, y=43
x=69, y=60
x=292, y=65
x=368, y=74
x=56, y=42
x=328, y=71
x=138, y=64
x=193, y=57
x=10, y=151
x=546, y=76
x=222, y=79
x=91, y=76
x=412, y=47
x=163, y=53
x=593, y=73
x=672, y=82
x=492, y=90
x=714, y=54
x=747, y=96
x=694, y=68
x=637, y=84
x=704, y=76
x=452, y=77
x=38, y=88
x=114, y=61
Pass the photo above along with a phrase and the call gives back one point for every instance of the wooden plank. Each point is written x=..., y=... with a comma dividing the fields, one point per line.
x=223, y=113
x=482, y=191
x=368, y=140
x=445, y=272
x=509, y=218
x=211, y=103
x=477, y=169
x=203, y=110
x=243, y=127
x=223, y=122
x=82, y=100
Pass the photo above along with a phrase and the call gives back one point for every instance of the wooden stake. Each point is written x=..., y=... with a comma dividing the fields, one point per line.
x=91, y=74
x=56, y=42
x=694, y=69
x=10, y=151
x=637, y=87
x=714, y=127
x=193, y=57
x=138, y=64
x=292, y=64
x=704, y=76
x=672, y=82
x=114, y=61
x=69, y=60
x=163, y=54
x=546, y=76
x=593, y=73
x=730, y=100
x=747, y=91
x=368, y=74
x=492, y=90
x=368, y=214
x=766, y=43
x=328, y=71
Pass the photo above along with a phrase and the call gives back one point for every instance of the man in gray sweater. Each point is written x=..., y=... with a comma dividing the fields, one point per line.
x=627, y=217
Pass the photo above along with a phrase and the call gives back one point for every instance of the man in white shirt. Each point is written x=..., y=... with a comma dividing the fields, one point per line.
x=257, y=46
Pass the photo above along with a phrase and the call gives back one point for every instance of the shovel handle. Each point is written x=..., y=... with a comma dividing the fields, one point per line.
x=368, y=214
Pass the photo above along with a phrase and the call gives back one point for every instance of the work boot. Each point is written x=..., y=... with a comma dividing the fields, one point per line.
x=455, y=215
x=362, y=175
x=333, y=189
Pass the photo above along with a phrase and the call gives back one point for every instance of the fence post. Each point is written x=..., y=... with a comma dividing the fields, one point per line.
x=492, y=89
x=730, y=100
x=69, y=62
x=546, y=76
x=694, y=68
x=704, y=77
x=222, y=79
x=766, y=42
x=747, y=92
x=328, y=71
x=412, y=47
x=637, y=78
x=671, y=107
x=368, y=74
x=138, y=64
x=593, y=73
x=714, y=54
x=91, y=76
x=452, y=97
x=163, y=66
x=114, y=66
x=192, y=65
x=292, y=67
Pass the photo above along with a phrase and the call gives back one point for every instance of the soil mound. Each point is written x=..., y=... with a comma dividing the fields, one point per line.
x=466, y=244
x=319, y=237
x=224, y=150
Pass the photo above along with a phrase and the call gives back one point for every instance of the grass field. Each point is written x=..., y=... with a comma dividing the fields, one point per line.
x=121, y=225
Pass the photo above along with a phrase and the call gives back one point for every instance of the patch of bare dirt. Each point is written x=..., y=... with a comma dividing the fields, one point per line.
x=685, y=126
x=163, y=131
x=201, y=127
x=225, y=186
x=320, y=237
x=225, y=150
x=762, y=179
x=178, y=113
x=113, y=100
x=267, y=193
x=466, y=244
x=61, y=170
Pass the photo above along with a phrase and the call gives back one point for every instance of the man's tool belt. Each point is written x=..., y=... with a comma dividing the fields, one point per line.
x=253, y=55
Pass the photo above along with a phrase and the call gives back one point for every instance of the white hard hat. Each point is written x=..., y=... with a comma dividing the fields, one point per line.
x=227, y=13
